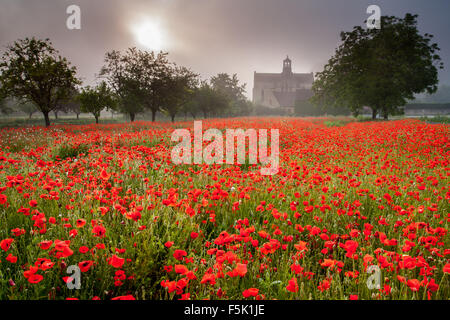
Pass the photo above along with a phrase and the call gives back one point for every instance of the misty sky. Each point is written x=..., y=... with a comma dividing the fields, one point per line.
x=212, y=36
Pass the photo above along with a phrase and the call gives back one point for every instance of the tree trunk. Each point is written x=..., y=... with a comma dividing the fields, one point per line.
x=153, y=115
x=96, y=120
x=374, y=114
x=31, y=115
x=78, y=116
x=47, y=119
x=56, y=114
x=172, y=116
x=132, y=115
x=385, y=113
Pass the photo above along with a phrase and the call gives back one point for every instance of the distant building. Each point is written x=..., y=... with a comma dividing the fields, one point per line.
x=282, y=90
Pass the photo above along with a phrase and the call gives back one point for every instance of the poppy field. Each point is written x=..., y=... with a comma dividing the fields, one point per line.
x=108, y=200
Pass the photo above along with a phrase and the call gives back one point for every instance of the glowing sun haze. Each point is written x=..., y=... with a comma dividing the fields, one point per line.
x=149, y=34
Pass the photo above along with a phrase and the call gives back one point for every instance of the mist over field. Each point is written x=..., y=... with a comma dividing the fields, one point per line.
x=234, y=152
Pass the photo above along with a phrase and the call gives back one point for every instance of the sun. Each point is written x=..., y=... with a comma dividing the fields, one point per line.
x=149, y=34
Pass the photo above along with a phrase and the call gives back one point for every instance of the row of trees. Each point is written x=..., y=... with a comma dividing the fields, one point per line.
x=37, y=78
x=381, y=69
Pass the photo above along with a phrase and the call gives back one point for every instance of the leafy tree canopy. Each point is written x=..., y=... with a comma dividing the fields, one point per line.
x=137, y=77
x=32, y=70
x=379, y=68
x=95, y=99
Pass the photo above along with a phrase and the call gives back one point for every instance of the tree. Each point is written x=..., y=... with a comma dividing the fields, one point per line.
x=208, y=100
x=137, y=77
x=191, y=107
x=152, y=73
x=305, y=108
x=234, y=92
x=94, y=100
x=3, y=108
x=117, y=73
x=27, y=107
x=69, y=103
x=241, y=107
x=72, y=103
x=4, y=105
x=229, y=85
x=32, y=70
x=379, y=68
x=178, y=89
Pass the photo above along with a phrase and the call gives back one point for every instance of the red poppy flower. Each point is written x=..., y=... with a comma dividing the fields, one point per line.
x=32, y=270
x=324, y=285
x=35, y=278
x=105, y=175
x=99, y=231
x=168, y=244
x=3, y=199
x=6, y=244
x=446, y=268
x=241, y=269
x=413, y=284
x=127, y=297
x=67, y=279
x=179, y=254
x=83, y=249
x=292, y=286
x=209, y=278
x=45, y=245
x=85, y=265
x=116, y=262
x=181, y=269
x=194, y=235
x=33, y=203
x=11, y=258
x=252, y=292
x=80, y=223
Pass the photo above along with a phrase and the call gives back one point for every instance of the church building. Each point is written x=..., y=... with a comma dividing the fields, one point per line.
x=282, y=90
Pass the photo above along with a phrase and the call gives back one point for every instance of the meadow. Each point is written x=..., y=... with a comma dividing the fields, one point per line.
x=107, y=198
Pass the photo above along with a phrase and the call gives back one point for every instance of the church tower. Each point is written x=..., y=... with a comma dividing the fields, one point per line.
x=282, y=90
x=287, y=69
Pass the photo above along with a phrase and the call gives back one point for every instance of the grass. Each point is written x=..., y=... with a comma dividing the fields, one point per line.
x=65, y=151
x=8, y=122
x=336, y=123
x=436, y=119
